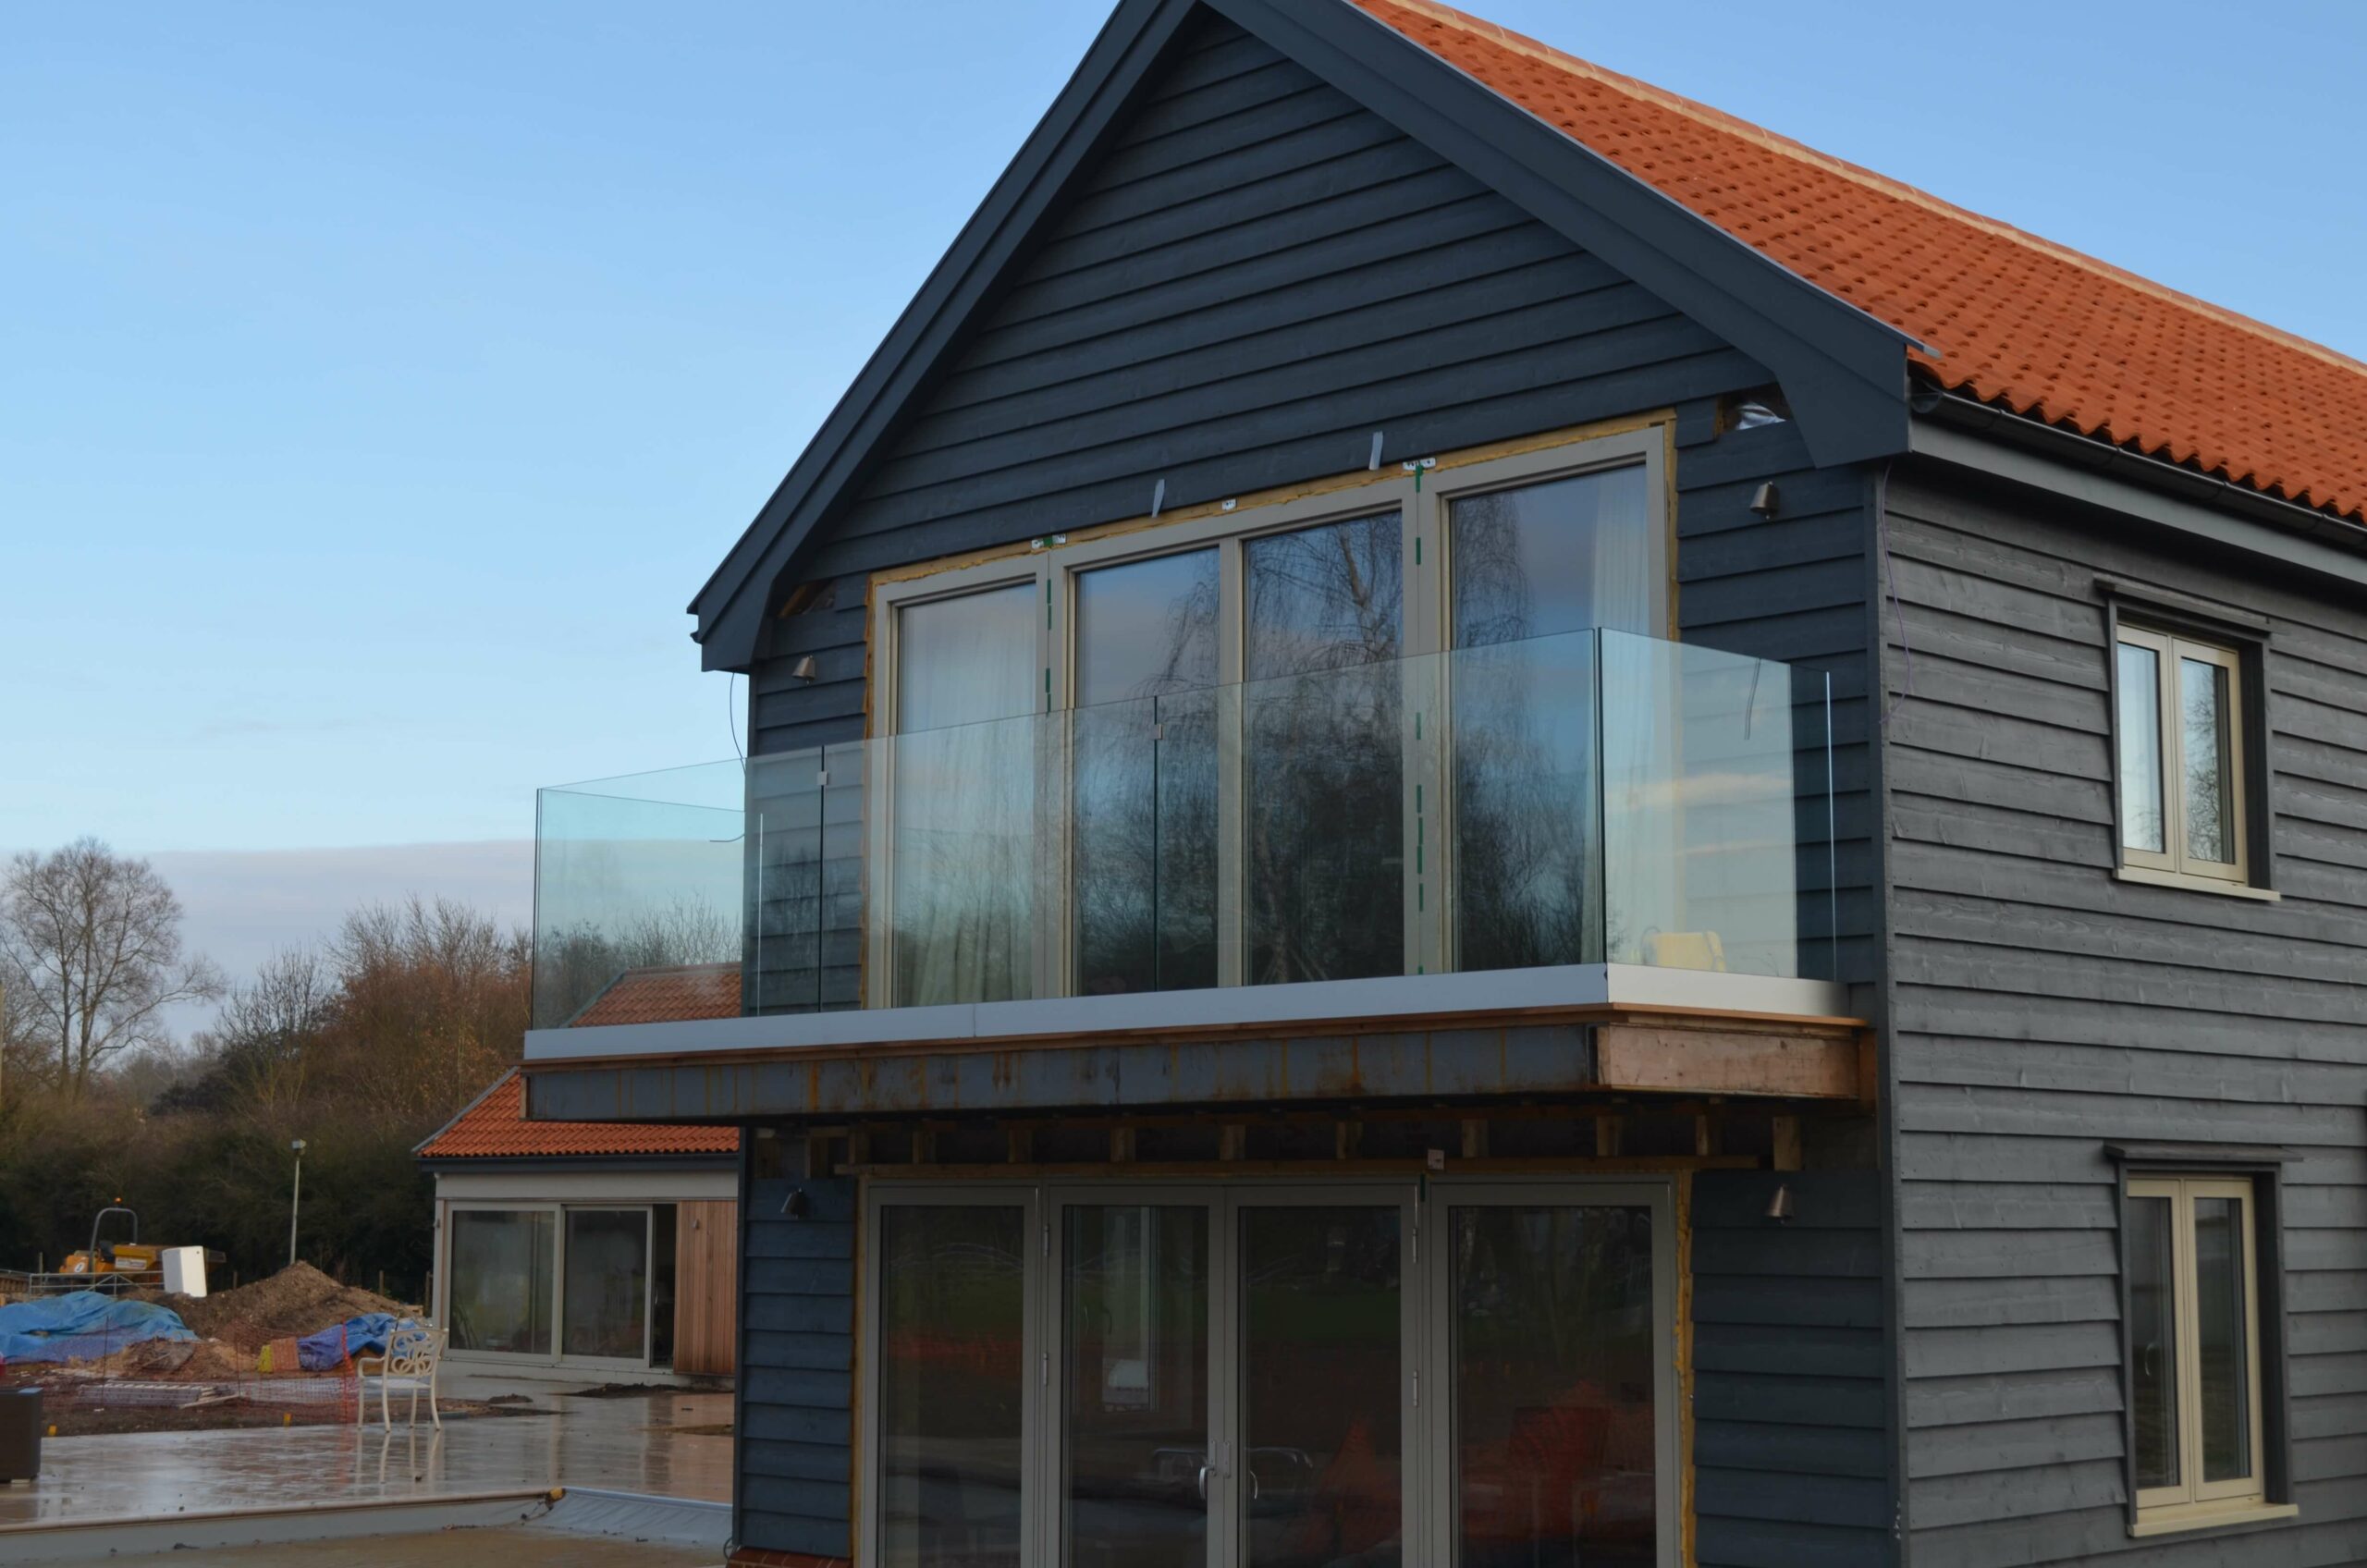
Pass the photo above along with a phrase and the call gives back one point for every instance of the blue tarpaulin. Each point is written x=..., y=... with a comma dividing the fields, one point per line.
x=366, y=1335
x=83, y=1327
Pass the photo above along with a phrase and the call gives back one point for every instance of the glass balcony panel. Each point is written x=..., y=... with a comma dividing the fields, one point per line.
x=1700, y=832
x=785, y=874
x=961, y=864
x=1323, y=806
x=1528, y=861
x=1142, y=827
x=642, y=873
x=1593, y=797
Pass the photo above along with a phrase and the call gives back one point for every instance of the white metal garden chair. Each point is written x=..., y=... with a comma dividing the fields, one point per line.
x=414, y=1353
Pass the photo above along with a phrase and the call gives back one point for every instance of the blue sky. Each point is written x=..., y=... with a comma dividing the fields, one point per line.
x=379, y=383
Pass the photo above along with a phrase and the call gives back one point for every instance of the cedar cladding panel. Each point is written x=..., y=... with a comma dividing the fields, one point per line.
x=706, y=1288
x=2043, y=1008
x=1257, y=276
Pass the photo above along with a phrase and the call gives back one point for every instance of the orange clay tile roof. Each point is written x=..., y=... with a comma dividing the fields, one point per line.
x=2011, y=319
x=664, y=996
x=496, y=1128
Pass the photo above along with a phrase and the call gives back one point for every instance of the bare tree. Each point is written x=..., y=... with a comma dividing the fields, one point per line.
x=270, y=1032
x=94, y=940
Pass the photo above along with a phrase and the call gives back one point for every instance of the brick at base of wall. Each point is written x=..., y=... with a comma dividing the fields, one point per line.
x=760, y=1557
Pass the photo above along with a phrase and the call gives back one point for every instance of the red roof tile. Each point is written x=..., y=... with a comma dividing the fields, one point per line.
x=2011, y=319
x=664, y=996
x=496, y=1128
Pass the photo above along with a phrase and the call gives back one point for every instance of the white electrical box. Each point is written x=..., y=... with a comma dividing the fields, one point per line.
x=184, y=1270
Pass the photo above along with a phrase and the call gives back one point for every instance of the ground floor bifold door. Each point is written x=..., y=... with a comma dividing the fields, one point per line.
x=1254, y=1375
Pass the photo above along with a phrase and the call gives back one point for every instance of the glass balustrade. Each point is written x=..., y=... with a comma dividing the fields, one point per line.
x=1589, y=798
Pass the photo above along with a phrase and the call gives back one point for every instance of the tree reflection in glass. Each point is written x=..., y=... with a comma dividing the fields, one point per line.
x=2203, y=746
x=1533, y=568
x=1143, y=780
x=1323, y=776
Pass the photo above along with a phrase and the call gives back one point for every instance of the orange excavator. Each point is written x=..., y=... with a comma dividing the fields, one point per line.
x=111, y=1266
x=131, y=1264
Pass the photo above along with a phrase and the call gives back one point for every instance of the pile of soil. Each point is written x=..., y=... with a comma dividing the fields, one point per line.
x=297, y=1300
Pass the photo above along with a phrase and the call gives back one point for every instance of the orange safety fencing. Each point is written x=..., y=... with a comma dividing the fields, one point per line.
x=119, y=1372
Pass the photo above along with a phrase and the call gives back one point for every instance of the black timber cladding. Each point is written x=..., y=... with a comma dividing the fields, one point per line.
x=1258, y=276
x=2044, y=1010
x=794, y=1457
x=1844, y=370
x=1791, y=1437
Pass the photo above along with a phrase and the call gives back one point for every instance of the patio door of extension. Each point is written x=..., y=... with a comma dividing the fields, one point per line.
x=1261, y=1376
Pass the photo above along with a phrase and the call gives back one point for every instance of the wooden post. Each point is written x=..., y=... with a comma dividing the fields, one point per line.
x=1233, y=1140
x=1474, y=1138
x=1121, y=1145
x=1607, y=1127
x=1788, y=1142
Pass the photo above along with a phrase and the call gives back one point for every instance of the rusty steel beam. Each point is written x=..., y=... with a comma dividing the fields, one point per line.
x=1415, y=1064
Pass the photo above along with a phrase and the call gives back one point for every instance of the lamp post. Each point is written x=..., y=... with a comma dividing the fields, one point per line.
x=295, y=1200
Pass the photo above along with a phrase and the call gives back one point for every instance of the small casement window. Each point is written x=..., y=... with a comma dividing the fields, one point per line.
x=2182, y=768
x=2198, y=1427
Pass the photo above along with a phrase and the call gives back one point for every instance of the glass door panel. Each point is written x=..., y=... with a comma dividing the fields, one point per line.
x=962, y=859
x=500, y=1295
x=1553, y=1379
x=2153, y=1394
x=1143, y=777
x=1319, y=1372
x=953, y=1354
x=605, y=1307
x=1323, y=787
x=1136, y=1460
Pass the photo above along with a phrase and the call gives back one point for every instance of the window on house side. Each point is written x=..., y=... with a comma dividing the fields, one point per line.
x=2181, y=765
x=2194, y=1347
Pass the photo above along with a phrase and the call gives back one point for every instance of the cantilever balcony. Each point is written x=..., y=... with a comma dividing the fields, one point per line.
x=1594, y=817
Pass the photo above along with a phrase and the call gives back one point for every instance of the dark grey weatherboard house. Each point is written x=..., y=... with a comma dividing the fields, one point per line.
x=1495, y=822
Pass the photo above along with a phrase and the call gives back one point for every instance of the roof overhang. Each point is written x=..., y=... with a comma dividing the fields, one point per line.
x=2002, y=446
x=1843, y=373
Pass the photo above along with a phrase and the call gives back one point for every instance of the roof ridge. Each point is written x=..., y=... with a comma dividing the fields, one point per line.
x=1899, y=190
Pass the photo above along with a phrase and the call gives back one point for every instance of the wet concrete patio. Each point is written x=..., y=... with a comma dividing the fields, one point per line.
x=632, y=1443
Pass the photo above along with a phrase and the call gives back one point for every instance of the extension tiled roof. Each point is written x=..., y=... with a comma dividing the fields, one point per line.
x=496, y=1128
x=2008, y=318
x=666, y=995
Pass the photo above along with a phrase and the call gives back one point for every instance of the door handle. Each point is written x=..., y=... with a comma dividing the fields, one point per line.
x=1205, y=1468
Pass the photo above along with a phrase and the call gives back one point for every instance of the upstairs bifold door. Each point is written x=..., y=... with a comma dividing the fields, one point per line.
x=1248, y=749
x=1309, y=1376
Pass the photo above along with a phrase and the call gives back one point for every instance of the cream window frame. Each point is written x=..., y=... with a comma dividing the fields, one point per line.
x=1422, y=497
x=2170, y=652
x=2193, y=1502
